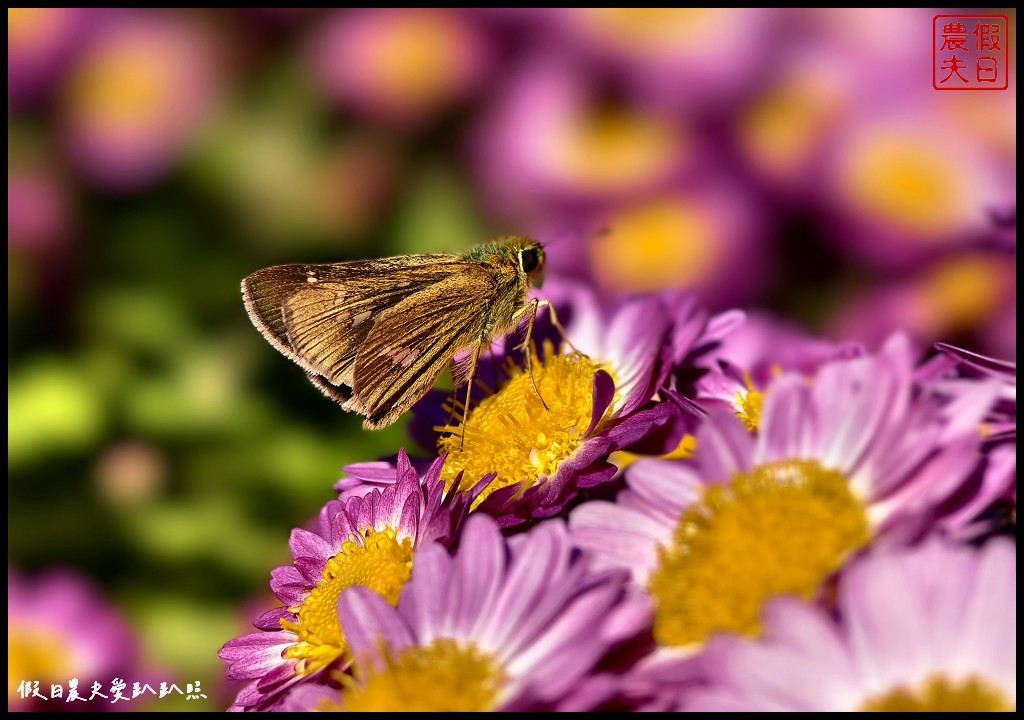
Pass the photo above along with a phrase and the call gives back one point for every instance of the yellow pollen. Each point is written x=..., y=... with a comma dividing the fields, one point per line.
x=749, y=404
x=382, y=563
x=941, y=694
x=36, y=654
x=441, y=677
x=511, y=434
x=781, y=529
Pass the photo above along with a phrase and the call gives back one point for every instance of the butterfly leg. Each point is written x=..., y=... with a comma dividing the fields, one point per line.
x=528, y=350
x=469, y=391
x=558, y=325
x=455, y=395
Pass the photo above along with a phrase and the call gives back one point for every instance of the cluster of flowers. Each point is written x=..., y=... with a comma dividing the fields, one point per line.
x=713, y=512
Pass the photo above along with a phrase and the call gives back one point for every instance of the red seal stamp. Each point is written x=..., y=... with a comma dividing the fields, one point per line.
x=970, y=52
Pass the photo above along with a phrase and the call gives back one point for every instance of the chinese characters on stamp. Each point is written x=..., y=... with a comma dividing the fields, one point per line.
x=970, y=52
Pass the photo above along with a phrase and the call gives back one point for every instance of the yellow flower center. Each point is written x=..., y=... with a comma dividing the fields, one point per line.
x=382, y=563
x=665, y=242
x=651, y=31
x=608, y=150
x=941, y=694
x=36, y=654
x=782, y=128
x=903, y=178
x=128, y=85
x=749, y=405
x=415, y=56
x=441, y=677
x=511, y=434
x=781, y=529
x=958, y=295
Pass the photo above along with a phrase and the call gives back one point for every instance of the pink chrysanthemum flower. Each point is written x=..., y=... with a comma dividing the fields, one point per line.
x=927, y=630
x=856, y=455
x=138, y=96
x=370, y=540
x=534, y=460
x=539, y=458
x=504, y=625
x=402, y=65
x=753, y=356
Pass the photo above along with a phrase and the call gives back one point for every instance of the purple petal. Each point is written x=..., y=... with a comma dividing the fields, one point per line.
x=256, y=654
x=638, y=425
x=569, y=646
x=617, y=537
x=604, y=393
x=817, y=661
x=285, y=575
x=371, y=626
x=308, y=697
x=271, y=620
x=342, y=529
x=377, y=472
x=969, y=407
x=529, y=575
x=998, y=477
x=774, y=679
x=311, y=568
x=933, y=483
x=665, y=485
x=305, y=544
x=863, y=396
x=664, y=435
x=886, y=617
x=988, y=627
x=981, y=362
x=685, y=404
x=280, y=677
x=481, y=568
x=425, y=599
x=723, y=324
x=637, y=332
x=589, y=693
x=789, y=421
x=724, y=448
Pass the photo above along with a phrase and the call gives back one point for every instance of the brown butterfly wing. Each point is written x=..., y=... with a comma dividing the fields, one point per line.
x=412, y=342
x=309, y=313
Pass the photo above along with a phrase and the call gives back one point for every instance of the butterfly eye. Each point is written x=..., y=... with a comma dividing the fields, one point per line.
x=529, y=260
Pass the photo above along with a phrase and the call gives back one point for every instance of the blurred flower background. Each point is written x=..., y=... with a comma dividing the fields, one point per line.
x=794, y=162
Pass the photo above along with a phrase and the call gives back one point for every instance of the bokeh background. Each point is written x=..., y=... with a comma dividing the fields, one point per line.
x=791, y=162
